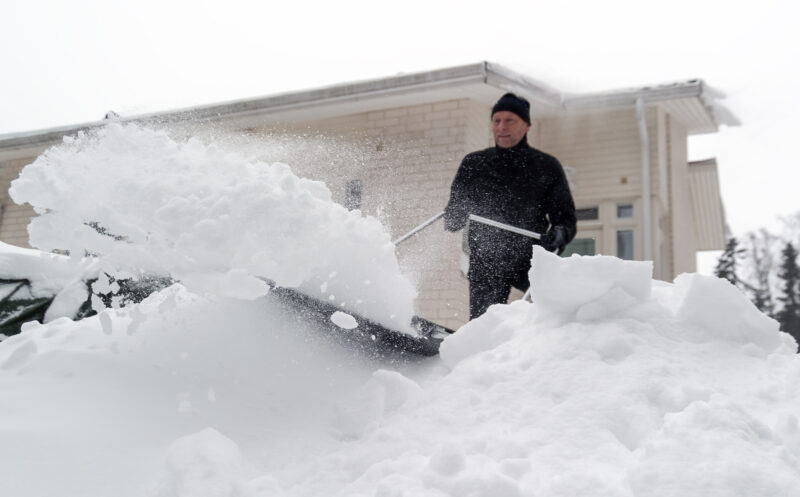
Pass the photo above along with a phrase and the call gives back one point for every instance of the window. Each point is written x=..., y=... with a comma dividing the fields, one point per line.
x=352, y=194
x=587, y=214
x=624, y=210
x=625, y=244
x=580, y=246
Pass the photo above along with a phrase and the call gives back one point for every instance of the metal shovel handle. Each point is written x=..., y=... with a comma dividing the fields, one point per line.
x=473, y=217
x=418, y=228
x=507, y=227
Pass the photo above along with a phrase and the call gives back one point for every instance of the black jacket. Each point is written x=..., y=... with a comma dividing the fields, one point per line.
x=520, y=186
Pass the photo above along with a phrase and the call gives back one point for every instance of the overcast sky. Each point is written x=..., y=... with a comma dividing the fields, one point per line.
x=70, y=62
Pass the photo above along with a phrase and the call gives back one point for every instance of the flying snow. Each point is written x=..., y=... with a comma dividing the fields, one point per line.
x=219, y=224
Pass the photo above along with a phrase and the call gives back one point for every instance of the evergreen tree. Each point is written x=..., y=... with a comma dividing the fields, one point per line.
x=789, y=315
x=759, y=265
x=726, y=265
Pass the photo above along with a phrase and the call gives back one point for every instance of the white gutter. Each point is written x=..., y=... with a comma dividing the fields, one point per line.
x=626, y=97
x=646, y=208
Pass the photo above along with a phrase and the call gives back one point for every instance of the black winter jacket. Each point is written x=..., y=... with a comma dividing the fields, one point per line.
x=520, y=186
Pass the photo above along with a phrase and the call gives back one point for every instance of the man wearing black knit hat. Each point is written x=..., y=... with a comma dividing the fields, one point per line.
x=517, y=185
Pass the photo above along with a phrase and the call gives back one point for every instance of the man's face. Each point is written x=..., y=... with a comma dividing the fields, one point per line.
x=508, y=128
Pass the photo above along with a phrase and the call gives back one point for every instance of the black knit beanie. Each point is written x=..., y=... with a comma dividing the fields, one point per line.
x=515, y=104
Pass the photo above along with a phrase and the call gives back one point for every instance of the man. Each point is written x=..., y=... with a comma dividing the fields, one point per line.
x=515, y=184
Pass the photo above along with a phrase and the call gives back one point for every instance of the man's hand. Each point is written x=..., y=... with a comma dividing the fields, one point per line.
x=554, y=240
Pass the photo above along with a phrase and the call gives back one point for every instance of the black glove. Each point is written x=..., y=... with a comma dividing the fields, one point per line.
x=554, y=240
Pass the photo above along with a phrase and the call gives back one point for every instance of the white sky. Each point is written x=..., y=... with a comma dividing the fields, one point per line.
x=70, y=62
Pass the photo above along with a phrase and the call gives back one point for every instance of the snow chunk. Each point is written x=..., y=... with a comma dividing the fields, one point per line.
x=67, y=302
x=713, y=309
x=343, y=320
x=579, y=287
x=566, y=284
x=234, y=283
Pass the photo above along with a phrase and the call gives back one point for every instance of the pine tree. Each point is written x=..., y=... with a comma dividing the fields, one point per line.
x=789, y=314
x=726, y=264
x=759, y=266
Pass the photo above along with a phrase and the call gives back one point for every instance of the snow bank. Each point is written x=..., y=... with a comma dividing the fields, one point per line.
x=621, y=386
x=166, y=397
x=211, y=219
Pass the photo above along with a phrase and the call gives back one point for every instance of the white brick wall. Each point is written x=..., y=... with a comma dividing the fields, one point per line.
x=14, y=218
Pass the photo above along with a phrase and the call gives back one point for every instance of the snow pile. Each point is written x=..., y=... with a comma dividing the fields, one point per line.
x=147, y=204
x=610, y=384
x=97, y=404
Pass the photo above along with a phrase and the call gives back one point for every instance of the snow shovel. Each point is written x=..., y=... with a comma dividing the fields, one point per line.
x=367, y=335
x=373, y=335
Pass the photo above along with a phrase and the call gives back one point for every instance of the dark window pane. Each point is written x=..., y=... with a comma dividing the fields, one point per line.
x=625, y=244
x=580, y=246
x=625, y=210
x=587, y=214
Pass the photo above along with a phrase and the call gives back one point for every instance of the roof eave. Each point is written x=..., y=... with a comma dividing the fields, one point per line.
x=706, y=119
x=536, y=91
x=349, y=92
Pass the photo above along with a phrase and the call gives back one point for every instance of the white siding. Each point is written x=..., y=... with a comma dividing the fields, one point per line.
x=684, y=243
x=14, y=218
x=603, y=148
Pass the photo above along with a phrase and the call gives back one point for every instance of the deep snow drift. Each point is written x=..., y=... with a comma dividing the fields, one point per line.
x=610, y=384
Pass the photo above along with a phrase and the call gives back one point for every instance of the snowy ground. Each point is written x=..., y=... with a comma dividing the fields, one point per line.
x=610, y=384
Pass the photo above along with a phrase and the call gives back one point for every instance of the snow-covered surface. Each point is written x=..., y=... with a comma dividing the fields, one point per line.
x=609, y=384
x=634, y=391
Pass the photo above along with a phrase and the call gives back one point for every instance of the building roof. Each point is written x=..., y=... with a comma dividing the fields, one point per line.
x=692, y=102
